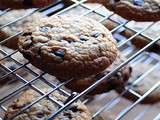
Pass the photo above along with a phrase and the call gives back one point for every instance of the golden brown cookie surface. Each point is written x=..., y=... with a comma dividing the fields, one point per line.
x=67, y=47
x=45, y=108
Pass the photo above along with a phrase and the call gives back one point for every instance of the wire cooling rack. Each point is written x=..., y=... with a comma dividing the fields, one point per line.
x=16, y=68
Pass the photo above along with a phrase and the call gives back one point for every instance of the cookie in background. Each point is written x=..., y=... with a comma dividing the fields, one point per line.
x=16, y=27
x=23, y=4
x=138, y=10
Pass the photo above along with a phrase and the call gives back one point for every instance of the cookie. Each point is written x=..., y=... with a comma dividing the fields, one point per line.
x=138, y=10
x=67, y=47
x=19, y=4
x=19, y=26
x=117, y=80
x=146, y=84
x=45, y=108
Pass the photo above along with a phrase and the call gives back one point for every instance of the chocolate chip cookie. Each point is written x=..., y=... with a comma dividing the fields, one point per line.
x=45, y=108
x=138, y=10
x=68, y=47
x=16, y=27
x=146, y=84
x=114, y=82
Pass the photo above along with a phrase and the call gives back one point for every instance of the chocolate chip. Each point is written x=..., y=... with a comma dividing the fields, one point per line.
x=31, y=38
x=15, y=106
x=44, y=29
x=83, y=38
x=73, y=108
x=60, y=53
x=69, y=38
x=138, y=2
x=27, y=34
x=40, y=115
x=68, y=115
x=49, y=25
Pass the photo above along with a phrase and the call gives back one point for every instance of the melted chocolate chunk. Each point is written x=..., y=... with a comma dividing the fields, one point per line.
x=73, y=108
x=68, y=115
x=15, y=106
x=60, y=53
x=83, y=38
x=40, y=115
x=27, y=34
x=69, y=39
x=138, y=2
x=49, y=25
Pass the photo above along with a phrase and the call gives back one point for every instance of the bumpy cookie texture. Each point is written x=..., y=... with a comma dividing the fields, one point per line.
x=116, y=81
x=45, y=108
x=16, y=27
x=139, y=10
x=68, y=47
x=142, y=87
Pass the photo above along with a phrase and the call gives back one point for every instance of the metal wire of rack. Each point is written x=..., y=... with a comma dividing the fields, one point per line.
x=124, y=45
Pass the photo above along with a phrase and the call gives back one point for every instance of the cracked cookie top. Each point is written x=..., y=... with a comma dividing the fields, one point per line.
x=69, y=42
